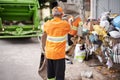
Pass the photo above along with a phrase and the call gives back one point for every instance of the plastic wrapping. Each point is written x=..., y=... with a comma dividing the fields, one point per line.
x=79, y=54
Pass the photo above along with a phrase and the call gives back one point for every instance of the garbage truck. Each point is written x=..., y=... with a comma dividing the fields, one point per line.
x=19, y=18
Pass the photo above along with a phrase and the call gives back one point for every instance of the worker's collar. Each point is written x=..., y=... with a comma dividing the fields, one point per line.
x=57, y=18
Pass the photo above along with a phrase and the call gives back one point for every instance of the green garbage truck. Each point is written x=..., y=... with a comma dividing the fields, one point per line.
x=19, y=18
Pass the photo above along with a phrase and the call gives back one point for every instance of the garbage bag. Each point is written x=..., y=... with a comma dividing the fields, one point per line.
x=114, y=34
x=109, y=63
x=93, y=38
x=42, y=71
x=116, y=22
x=105, y=24
x=100, y=30
x=79, y=53
x=116, y=51
x=85, y=31
x=43, y=67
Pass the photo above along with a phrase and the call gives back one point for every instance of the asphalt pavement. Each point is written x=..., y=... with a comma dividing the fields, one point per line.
x=19, y=59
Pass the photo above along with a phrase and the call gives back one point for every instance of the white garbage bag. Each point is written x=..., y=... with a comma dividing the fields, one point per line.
x=109, y=63
x=79, y=54
x=116, y=51
x=114, y=34
x=105, y=24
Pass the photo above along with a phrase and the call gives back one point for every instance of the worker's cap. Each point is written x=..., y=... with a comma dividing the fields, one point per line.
x=57, y=11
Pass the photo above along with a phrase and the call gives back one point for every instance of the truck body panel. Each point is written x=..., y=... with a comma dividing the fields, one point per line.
x=19, y=18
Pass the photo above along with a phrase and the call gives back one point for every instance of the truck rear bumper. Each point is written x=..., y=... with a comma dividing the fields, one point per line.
x=23, y=34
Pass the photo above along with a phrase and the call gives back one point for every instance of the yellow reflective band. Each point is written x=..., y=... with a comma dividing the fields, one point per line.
x=51, y=79
x=56, y=39
x=74, y=28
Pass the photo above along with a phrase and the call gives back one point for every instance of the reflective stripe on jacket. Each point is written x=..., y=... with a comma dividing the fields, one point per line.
x=75, y=25
x=74, y=28
x=56, y=39
x=56, y=30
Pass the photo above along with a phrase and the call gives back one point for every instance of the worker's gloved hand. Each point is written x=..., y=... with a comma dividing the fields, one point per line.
x=70, y=20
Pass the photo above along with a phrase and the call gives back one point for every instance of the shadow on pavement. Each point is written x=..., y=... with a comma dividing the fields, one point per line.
x=20, y=40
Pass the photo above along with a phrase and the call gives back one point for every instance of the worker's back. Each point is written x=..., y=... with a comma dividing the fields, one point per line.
x=56, y=30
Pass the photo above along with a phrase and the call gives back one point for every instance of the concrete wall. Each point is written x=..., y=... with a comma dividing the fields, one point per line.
x=100, y=6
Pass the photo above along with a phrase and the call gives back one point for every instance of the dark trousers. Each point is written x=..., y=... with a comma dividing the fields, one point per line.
x=69, y=39
x=56, y=69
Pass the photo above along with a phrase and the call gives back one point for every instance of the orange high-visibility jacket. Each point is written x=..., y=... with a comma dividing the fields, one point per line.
x=75, y=25
x=56, y=30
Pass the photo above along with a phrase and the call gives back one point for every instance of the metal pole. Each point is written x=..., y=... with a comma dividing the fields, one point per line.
x=93, y=9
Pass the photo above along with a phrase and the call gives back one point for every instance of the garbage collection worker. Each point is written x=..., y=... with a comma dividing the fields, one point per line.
x=74, y=28
x=56, y=30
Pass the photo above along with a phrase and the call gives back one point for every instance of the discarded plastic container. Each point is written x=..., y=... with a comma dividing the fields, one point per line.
x=87, y=74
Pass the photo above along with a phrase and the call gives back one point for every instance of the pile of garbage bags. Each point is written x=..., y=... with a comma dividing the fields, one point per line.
x=103, y=39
